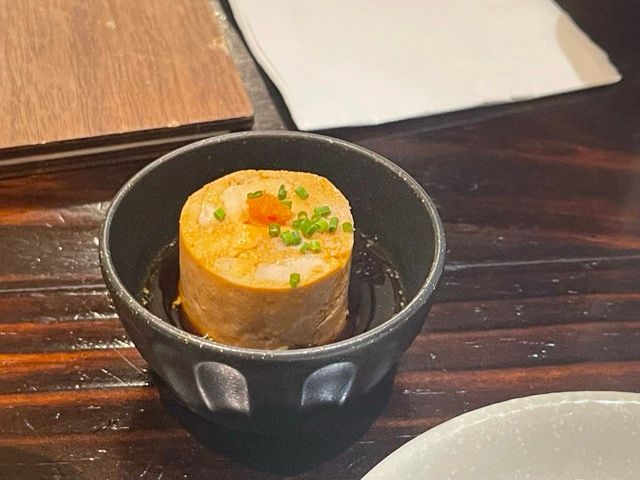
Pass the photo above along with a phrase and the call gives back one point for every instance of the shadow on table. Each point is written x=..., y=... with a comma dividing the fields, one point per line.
x=287, y=449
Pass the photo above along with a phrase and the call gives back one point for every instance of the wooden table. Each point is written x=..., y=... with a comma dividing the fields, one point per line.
x=541, y=205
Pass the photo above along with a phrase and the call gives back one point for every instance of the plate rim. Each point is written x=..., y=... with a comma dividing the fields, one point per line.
x=531, y=402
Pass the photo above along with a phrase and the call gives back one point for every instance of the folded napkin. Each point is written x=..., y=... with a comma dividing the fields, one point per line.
x=362, y=62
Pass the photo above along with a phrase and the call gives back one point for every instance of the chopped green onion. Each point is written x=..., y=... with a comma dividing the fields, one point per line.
x=305, y=225
x=297, y=239
x=302, y=215
x=296, y=224
x=287, y=238
x=274, y=229
x=302, y=192
x=287, y=203
x=347, y=227
x=282, y=193
x=294, y=280
x=219, y=213
x=315, y=217
x=255, y=194
x=322, y=210
x=291, y=238
x=306, y=246
x=308, y=228
x=315, y=246
x=322, y=224
x=333, y=224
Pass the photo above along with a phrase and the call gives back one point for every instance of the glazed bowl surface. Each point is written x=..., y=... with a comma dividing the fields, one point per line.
x=251, y=388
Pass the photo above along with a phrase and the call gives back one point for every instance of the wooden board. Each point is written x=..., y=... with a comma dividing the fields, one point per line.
x=541, y=204
x=78, y=76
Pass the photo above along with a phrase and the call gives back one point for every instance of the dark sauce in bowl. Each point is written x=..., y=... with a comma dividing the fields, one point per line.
x=375, y=287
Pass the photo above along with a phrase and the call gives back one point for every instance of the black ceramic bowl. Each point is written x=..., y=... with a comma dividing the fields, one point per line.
x=255, y=388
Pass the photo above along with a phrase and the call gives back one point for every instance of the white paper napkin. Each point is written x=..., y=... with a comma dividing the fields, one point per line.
x=362, y=62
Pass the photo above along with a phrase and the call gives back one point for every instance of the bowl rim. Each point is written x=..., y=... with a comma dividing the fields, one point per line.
x=116, y=286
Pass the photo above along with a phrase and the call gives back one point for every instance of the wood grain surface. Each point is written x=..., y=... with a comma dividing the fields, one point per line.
x=541, y=293
x=78, y=74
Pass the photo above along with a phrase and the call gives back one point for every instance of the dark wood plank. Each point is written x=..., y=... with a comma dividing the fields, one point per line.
x=43, y=257
x=115, y=364
x=46, y=307
x=515, y=347
x=555, y=309
x=73, y=335
x=473, y=389
x=23, y=199
x=110, y=428
x=541, y=293
x=517, y=280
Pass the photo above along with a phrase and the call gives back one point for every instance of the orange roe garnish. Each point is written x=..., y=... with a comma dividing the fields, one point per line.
x=267, y=209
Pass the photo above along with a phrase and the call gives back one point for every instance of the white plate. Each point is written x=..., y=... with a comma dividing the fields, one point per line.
x=557, y=436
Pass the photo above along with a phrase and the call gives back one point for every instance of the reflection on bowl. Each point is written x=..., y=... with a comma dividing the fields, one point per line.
x=256, y=388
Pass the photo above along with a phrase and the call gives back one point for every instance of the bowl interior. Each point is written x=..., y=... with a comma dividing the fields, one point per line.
x=383, y=201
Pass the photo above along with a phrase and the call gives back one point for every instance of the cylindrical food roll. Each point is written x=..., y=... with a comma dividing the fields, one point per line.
x=265, y=259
